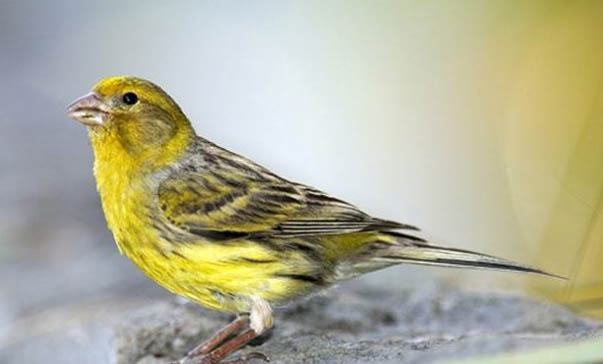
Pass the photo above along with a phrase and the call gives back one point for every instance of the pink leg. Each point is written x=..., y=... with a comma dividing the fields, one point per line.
x=231, y=346
x=211, y=343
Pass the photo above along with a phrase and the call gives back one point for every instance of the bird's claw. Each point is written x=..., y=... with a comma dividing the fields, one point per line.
x=257, y=355
x=244, y=359
x=247, y=357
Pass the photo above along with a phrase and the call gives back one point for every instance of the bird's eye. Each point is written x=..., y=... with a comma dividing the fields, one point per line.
x=130, y=98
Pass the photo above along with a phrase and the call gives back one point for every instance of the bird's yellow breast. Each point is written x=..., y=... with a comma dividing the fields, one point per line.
x=217, y=275
x=128, y=201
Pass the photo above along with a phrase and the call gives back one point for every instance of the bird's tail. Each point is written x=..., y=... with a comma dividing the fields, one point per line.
x=412, y=250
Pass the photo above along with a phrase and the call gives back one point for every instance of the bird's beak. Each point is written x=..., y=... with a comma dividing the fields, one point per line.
x=89, y=110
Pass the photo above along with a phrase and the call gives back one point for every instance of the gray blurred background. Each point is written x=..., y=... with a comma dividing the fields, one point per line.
x=407, y=109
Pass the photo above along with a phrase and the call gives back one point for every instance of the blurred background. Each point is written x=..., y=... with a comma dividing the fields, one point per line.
x=481, y=122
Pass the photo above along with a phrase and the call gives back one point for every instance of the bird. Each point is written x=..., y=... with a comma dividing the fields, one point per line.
x=224, y=232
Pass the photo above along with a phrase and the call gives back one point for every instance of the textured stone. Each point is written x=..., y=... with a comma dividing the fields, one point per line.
x=356, y=323
x=349, y=324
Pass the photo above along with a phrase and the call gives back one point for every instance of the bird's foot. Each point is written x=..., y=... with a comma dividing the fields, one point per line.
x=216, y=349
x=243, y=359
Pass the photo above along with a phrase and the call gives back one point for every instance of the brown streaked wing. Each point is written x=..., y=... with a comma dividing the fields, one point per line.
x=240, y=198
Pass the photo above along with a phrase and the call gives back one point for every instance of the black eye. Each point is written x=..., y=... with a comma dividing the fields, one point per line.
x=130, y=98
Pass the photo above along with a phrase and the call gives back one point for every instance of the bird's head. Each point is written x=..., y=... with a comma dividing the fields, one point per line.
x=132, y=116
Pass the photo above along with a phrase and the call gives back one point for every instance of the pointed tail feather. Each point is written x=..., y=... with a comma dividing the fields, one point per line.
x=424, y=254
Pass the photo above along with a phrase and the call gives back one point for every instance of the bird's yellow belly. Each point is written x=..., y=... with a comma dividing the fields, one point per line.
x=222, y=276
x=182, y=277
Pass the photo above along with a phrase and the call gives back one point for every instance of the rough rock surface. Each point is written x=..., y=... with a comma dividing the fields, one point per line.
x=353, y=324
x=350, y=324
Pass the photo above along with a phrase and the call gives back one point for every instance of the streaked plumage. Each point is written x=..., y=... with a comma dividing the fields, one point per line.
x=212, y=226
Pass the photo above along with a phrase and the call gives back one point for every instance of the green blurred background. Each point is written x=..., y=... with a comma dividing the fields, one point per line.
x=480, y=121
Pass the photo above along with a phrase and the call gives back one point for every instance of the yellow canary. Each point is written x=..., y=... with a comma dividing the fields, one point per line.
x=223, y=231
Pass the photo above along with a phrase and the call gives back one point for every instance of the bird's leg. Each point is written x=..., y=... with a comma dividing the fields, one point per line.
x=211, y=343
x=260, y=318
x=231, y=346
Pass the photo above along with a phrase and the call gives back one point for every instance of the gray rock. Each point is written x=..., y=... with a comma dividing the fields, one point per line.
x=351, y=324
x=356, y=323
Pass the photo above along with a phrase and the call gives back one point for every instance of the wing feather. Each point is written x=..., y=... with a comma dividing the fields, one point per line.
x=233, y=197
